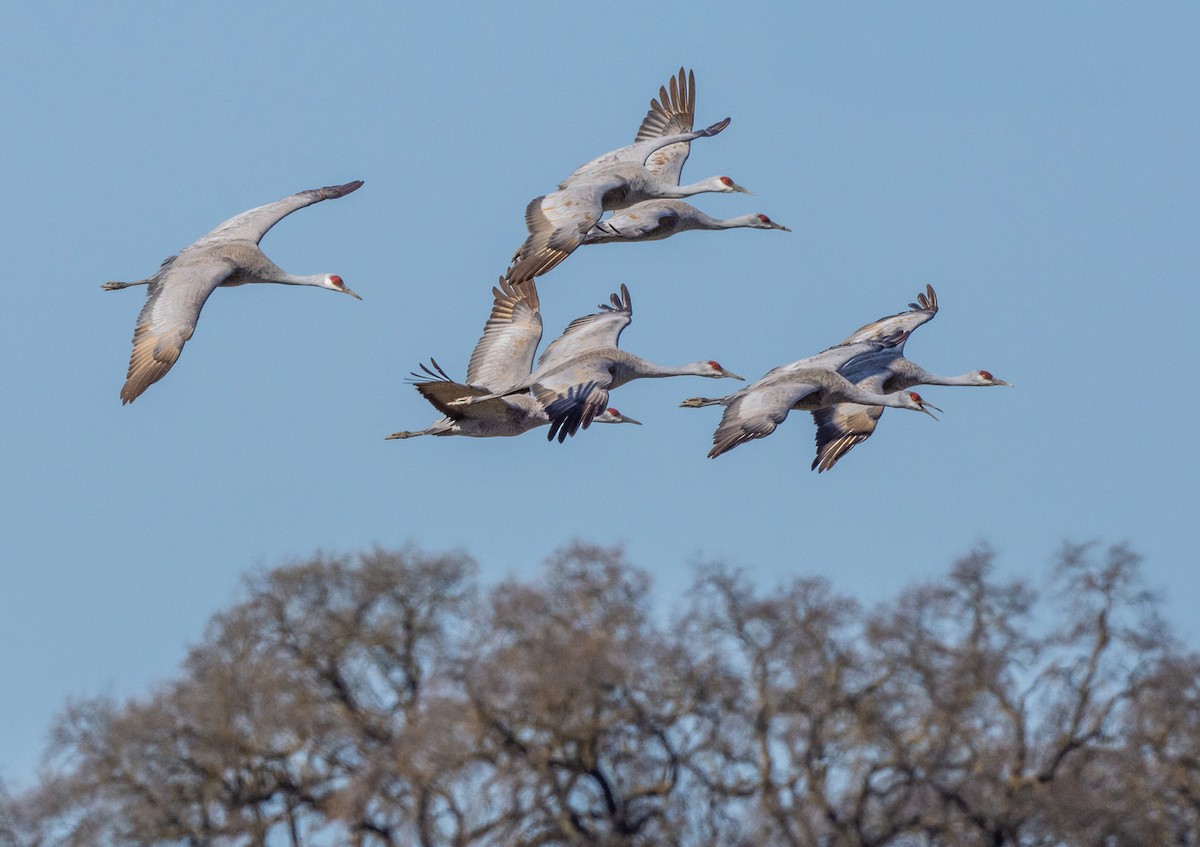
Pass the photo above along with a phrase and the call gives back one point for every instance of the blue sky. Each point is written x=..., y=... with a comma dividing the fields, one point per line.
x=1035, y=162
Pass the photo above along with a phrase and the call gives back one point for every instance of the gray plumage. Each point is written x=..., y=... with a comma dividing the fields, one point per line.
x=812, y=384
x=648, y=168
x=503, y=356
x=577, y=372
x=654, y=220
x=672, y=113
x=843, y=426
x=227, y=256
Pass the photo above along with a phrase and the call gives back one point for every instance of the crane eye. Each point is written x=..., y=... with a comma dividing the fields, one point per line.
x=764, y=219
x=726, y=180
x=714, y=365
x=986, y=375
x=336, y=280
x=614, y=413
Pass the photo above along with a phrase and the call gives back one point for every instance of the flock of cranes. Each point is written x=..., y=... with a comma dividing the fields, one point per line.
x=845, y=387
x=503, y=357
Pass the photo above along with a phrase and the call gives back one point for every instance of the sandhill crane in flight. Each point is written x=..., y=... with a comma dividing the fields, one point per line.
x=661, y=217
x=809, y=384
x=503, y=356
x=841, y=427
x=577, y=371
x=654, y=220
x=227, y=256
x=648, y=168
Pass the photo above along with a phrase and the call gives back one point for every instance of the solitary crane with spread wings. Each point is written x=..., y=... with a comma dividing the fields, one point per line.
x=503, y=356
x=227, y=256
x=648, y=168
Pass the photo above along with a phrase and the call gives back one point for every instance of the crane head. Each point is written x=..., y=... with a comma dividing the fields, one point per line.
x=728, y=186
x=986, y=378
x=334, y=283
x=766, y=223
x=715, y=371
x=611, y=415
x=917, y=404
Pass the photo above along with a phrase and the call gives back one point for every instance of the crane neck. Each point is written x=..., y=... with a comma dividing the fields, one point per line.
x=285, y=278
x=870, y=398
x=734, y=223
x=961, y=379
x=651, y=370
x=679, y=191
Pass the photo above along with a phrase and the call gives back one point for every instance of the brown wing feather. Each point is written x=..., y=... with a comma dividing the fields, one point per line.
x=503, y=356
x=168, y=318
x=731, y=431
x=673, y=113
x=557, y=224
x=440, y=394
x=840, y=429
x=153, y=355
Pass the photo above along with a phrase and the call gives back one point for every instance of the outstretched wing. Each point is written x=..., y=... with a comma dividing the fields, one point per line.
x=557, y=223
x=252, y=225
x=844, y=425
x=672, y=113
x=903, y=323
x=839, y=357
x=870, y=345
x=840, y=428
x=175, y=297
x=756, y=411
x=599, y=329
x=572, y=410
x=504, y=354
x=639, y=153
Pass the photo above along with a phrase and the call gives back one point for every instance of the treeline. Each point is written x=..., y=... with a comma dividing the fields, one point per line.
x=391, y=699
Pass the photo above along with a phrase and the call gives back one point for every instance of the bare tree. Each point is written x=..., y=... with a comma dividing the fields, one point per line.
x=1162, y=737
x=791, y=737
x=302, y=710
x=386, y=700
x=578, y=705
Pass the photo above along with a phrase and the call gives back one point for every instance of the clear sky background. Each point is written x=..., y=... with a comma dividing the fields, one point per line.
x=1036, y=162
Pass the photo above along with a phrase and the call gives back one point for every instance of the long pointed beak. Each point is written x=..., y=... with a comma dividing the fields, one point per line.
x=781, y=226
x=345, y=289
x=737, y=187
x=1002, y=382
x=925, y=407
x=732, y=375
x=627, y=419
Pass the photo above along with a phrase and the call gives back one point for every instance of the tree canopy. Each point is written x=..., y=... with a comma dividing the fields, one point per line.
x=389, y=698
